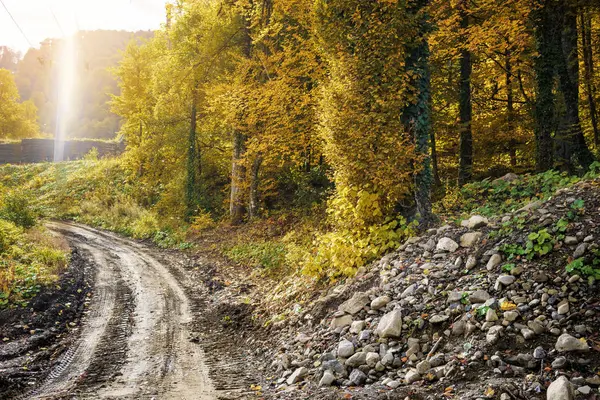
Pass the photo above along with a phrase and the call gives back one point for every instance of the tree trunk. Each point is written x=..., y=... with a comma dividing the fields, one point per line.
x=465, y=168
x=588, y=64
x=238, y=178
x=253, y=208
x=192, y=160
x=510, y=113
x=568, y=73
x=416, y=117
x=545, y=41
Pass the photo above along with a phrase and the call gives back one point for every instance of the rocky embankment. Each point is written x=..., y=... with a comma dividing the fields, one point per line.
x=504, y=308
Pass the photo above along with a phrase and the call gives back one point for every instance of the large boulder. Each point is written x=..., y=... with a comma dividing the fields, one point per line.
x=566, y=343
x=355, y=304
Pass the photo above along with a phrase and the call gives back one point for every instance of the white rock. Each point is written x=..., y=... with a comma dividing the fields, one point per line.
x=340, y=322
x=494, y=261
x=476, y=221
x=372, y=359
x=412, y=376
x=345, y=349
x=390, y=325
x=560, y=389
x=297, y=375
x=357, y=327
x=327, y=379
x=380, y=302
x=470, y=239
x=447, y=244
x=355, y=304
x=423, y=367
x=567, y=343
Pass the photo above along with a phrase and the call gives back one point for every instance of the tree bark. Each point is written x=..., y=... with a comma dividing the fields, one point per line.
x=192, y=161
x=545, y=41
x=510, y=113
x=237, y=208
x=588, y=64
x=568, y=73
x=253, y=208
x=465, y=168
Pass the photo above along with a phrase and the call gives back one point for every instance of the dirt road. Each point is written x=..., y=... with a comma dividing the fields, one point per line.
x=134, y=342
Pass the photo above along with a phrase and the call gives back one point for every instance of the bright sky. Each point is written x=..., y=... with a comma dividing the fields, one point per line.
x=35, y=17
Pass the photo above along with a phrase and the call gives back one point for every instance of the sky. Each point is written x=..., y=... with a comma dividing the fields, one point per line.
x=37, y=18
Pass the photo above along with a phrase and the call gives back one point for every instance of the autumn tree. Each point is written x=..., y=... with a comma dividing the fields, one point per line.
x=17, y=120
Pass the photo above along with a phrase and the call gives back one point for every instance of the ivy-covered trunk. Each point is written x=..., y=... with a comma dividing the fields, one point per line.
x=416, y=117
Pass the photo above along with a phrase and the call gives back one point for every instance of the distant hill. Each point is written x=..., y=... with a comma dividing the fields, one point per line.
x=37, y=80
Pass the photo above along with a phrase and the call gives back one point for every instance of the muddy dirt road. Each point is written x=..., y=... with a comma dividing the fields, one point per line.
x=134, y=341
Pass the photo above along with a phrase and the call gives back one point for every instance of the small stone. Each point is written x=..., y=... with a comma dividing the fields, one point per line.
x=380, y=302
x=357, y=377
x=357, y=360
x=409, y=291
x=470, y=239
x=580, y=250
x=471, y=262
x=454, y=297
x=493, y=334
x=476, y=221
x=357, y=326
x=567, y=343
x=345, y=349
x=297, y=375
x=510, y=316
x=560, y=389
x=479, y=296
x=372, y=359
x=559, y=362
x=494, y=261
x=412, y=376
x=490, y=316
x=393, y=384
x=506, y=280
x=423, y=367
x=340, y=322
x=584, y=390
x=390, y=325
x=327, y=379
x=527, y=333
x=563, y=308
x=459, y=328
x=539, y=353
x=355, y=304
x=447, y=244
x=439, y=318
x=571, y=240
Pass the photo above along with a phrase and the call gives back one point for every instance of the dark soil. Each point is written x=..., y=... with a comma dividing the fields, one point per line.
x=33, y=337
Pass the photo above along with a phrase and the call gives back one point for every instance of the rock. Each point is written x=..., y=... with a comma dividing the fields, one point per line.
x=559, y=362
x=340, y=322
x=409, y=291
x=493, y=334
x=490, y=316
x=563, y=308
x=355, y=304
x=584, y=390
x=357, y=377
x=459, y=328
x=412, y=376
x=510, y=316
x=566, y=343
x=475, y=222
x=380, y=302
x=372, y=359
x=393, y=384
x=571, y=240
x=447, y=244
x=536, y=326
x=479, y=296
x=527, y=333
x=580, y=250
x=439, y=318
x=560, y=389
x=327, y=379
x=471, y=262
x=506, y=280
x=454, y=297
x=423, y=367
x=357, y=360
x=357, y=327
x=539, y=353
x=494, y=261
x=297, y=375
x=470, y=239
x=390, y=325
x=345, y=349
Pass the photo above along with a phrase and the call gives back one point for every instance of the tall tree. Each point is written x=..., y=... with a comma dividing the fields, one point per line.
x=465, y=170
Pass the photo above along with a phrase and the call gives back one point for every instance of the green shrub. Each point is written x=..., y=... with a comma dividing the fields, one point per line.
x=16, y=208
x=267, y=255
